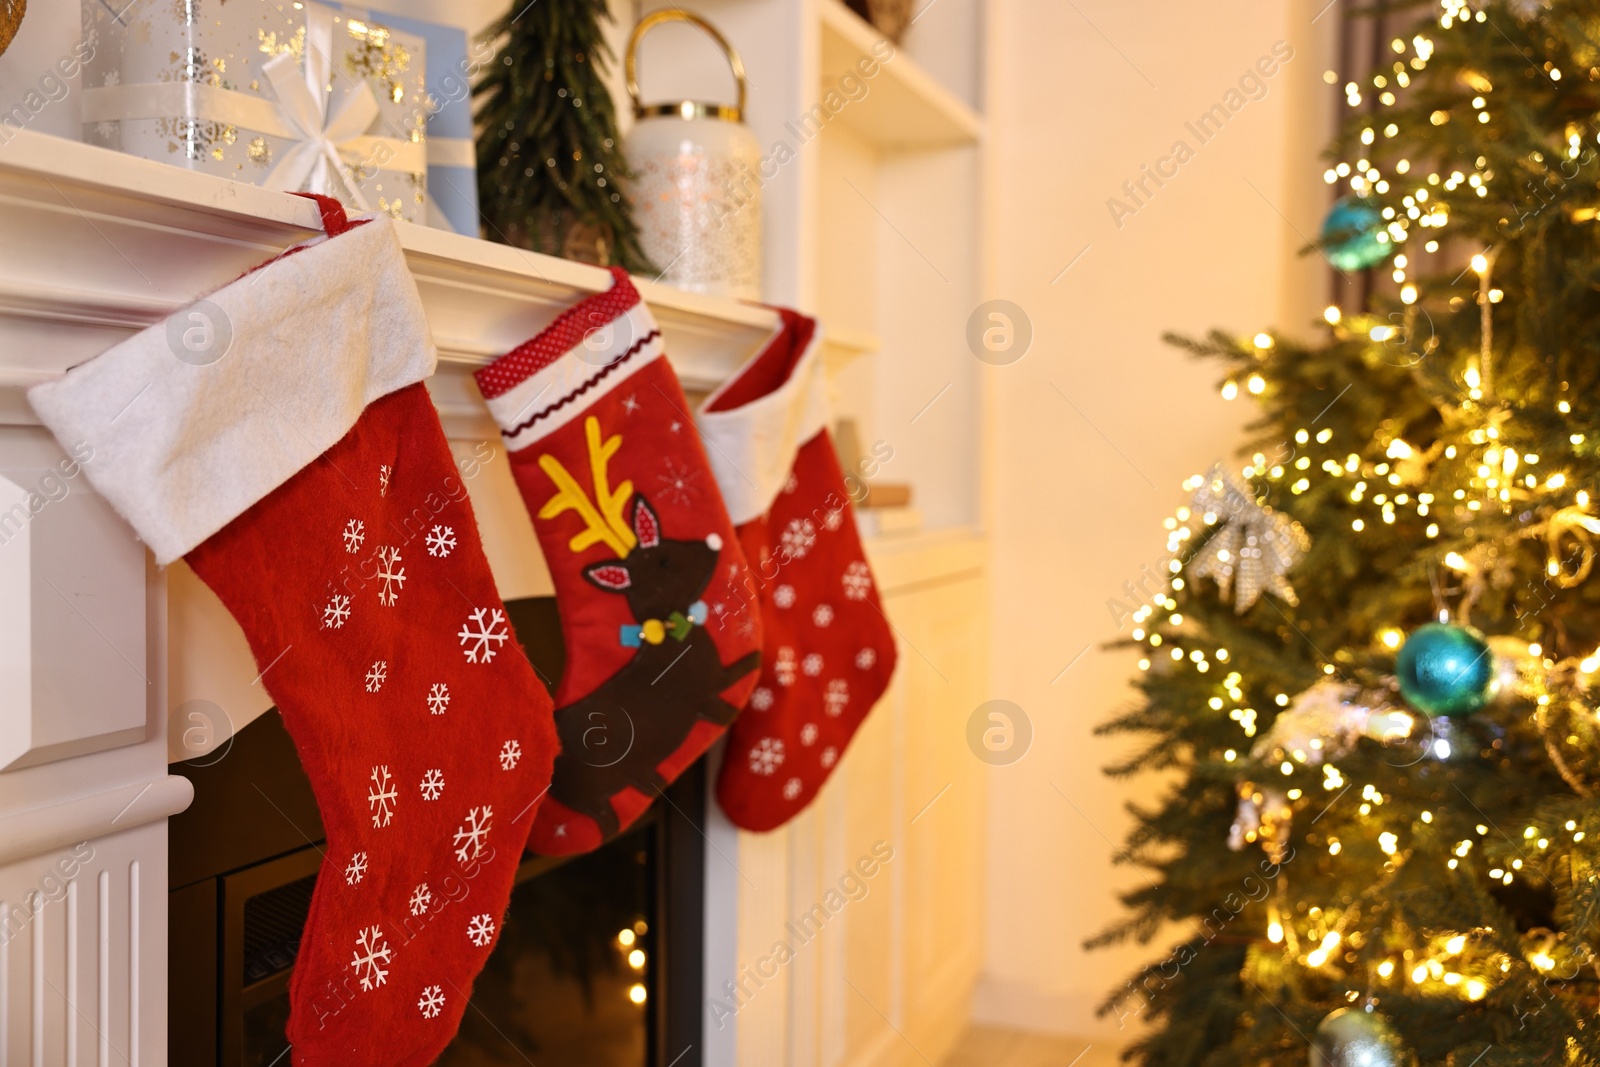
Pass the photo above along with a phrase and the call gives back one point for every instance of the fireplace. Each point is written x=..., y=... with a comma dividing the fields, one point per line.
x=599, y=962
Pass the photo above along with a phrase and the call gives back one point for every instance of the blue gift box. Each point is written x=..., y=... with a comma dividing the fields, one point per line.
x=452, y=159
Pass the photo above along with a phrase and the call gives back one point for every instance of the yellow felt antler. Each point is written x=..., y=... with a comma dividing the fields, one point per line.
x=611, y=503
x=602, y=524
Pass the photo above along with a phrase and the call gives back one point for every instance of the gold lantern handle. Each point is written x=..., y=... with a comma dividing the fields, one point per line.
x=687, y=109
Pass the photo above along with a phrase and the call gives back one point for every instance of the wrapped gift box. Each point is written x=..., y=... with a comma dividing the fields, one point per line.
x=452, y=160
x=292, y=96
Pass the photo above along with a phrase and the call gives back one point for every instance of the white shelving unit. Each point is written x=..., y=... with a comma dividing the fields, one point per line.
x=842, y=346
x=907, y=108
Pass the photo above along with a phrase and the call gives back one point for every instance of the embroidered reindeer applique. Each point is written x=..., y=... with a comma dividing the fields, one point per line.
x=618, y=735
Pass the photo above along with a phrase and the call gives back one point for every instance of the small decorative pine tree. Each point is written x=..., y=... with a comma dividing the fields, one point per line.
x=550, y=169
x=1434, y=458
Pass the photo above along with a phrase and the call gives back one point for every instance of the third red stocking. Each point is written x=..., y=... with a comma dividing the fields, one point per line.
x=829, y=651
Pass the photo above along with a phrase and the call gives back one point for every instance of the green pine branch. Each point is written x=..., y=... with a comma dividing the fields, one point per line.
x=549, y=155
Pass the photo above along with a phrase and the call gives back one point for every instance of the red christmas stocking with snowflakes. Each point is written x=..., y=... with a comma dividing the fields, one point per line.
x=278, y=437
x=828, y=651
x=639, y=546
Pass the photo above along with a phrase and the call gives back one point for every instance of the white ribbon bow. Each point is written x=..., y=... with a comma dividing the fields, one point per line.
x=326, y=145
x=314, y=162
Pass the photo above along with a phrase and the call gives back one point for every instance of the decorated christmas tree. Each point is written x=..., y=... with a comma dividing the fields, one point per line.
x=1372, y=679
x=550, y=165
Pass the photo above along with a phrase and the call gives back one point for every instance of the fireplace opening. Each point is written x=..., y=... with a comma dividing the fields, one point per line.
x=599, y=962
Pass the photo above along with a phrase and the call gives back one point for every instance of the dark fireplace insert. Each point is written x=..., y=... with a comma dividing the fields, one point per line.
x=599, y=962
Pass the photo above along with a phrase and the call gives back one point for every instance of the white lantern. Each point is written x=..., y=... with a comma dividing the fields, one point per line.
x=696, y=181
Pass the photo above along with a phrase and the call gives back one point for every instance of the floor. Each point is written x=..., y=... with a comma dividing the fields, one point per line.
x=983, y=1046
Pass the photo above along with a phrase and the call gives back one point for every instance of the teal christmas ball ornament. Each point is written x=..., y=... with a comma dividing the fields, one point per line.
x=1351, y=1037
x=1445, y=670
x=1350, y=235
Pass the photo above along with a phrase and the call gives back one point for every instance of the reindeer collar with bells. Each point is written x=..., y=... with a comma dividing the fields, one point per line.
x=655, y=631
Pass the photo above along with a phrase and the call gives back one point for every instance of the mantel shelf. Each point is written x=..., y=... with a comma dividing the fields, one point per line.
x=95, y=245
x=905, y=108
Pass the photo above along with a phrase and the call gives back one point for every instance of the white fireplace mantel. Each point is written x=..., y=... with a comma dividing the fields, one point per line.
x=100, y=650
x=98, y=244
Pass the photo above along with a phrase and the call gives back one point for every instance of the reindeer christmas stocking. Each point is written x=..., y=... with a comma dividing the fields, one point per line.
x=642, y=555
x=278, y=437
x=828, y=650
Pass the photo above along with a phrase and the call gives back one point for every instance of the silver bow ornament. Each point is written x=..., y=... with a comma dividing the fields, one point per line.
x=331, y=149
x=1253, y=547
x=325, y=136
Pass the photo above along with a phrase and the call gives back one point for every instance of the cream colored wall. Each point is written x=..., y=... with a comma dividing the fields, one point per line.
x=1095, y=428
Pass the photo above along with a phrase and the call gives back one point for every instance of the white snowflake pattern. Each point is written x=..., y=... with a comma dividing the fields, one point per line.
x=791, y=789
x=630, y=403
x=487, y=637
x=431, y=1003
x=510, y=753
x=432, y=784
x=791, y=484
x=784, y=669
x=336, y=612
x=441, y=541
x=355, y=532
x=391, y=574
x=377, y=674
x=866, y=658
x=761, y=699
x=384, y=471
x=421, y=898
x=857, y=581
x=438, y=698
x=833, y=520
x=812, y=665
x=676, y=482
x=744, y=620
x=783, y=596
x=830, y=756
x=767, y=756
x=480, y=931
x=474, y=833
x=808, y=734
x=836, y=697
x=372, y=952
x=356, y=869
x=382, y=795
x=822, y=616
x=798, y=537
